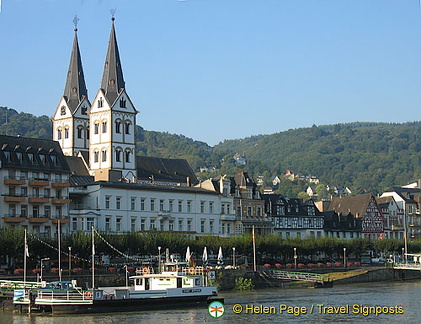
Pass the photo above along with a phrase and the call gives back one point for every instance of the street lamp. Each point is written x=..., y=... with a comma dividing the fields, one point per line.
x=159, y=259
x=345, y=257
x=45, y=259
x=233, y=257
x=70, y=261
x=295, y=257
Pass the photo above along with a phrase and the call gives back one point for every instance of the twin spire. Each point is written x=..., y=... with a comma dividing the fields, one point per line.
x=112, y=78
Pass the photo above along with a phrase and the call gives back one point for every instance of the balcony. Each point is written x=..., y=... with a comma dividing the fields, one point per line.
x=14, y=181
x=63, y=219
x=61, y=200
x=38, y=182
x=38, y=219
x=10, y=218
x=39, y=199
x=228, y=217
x=13, y=198
x=58, y=184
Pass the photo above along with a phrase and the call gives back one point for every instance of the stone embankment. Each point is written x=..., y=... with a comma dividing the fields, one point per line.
x=262, y=279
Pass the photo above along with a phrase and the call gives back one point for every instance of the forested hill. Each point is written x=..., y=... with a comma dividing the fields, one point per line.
x=363, y=156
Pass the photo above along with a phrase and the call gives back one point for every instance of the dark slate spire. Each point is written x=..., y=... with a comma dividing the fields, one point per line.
x=75, y=89
x=112, y=79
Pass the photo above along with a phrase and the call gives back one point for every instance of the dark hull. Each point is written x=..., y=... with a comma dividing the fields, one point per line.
x=133, y=304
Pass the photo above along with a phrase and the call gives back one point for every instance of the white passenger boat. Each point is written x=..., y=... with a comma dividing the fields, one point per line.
x=176, y=286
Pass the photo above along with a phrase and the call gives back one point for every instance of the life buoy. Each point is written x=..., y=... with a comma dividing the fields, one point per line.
x=87, y=294
x=145, y=270
x=192, y=271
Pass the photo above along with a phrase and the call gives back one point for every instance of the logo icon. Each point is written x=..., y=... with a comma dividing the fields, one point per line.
x=216, y=309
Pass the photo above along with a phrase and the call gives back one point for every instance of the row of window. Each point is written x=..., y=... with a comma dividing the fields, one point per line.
x=118, y=127
x=36, y=159
x=37, y=211
x=123, y=101
x=118, y=155
x=80, y=130
x=298, y=222
x=163, y=205
x=35, y=175
x=36, y=192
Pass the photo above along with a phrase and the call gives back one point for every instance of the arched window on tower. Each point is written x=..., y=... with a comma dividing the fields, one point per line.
x=118, y=126
x=96, y=128
x=59, y=133
x=79, y=132
x=127, y=127
x=118, y=155
x=96, y=157
x=128, y=153
x=66, y=132
x=104, y=155
x=104, y=126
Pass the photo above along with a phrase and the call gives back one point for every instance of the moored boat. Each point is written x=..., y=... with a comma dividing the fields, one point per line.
x=176, y=286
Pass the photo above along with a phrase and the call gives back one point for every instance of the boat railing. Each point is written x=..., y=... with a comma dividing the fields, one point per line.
x=69, y=295
x=10, y=284
x=192, y=271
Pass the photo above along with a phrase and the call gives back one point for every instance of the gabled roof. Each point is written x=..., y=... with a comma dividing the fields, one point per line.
x=112, y=77
x=75, y=89
x=384, y=202
x=24, y=153
x=165, y=170
x=77, y=166
x=356, y=205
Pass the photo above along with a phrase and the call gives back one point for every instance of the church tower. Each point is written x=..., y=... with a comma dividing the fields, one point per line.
x=71, y=119
x=112, y=123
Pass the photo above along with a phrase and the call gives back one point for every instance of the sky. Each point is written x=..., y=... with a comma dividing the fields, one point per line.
x=214, y=70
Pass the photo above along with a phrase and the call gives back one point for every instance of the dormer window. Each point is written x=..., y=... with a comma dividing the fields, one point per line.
x=63, y=110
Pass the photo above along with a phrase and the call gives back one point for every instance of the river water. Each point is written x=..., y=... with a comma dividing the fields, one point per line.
x=394, y=302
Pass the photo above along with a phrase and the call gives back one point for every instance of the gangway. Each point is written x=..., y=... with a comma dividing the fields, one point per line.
x=301, y=276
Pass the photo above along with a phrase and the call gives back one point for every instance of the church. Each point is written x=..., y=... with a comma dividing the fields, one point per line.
x=111, y=187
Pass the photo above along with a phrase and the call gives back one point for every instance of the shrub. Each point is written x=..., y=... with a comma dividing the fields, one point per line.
x=267, y=265
x=77, y=270
x=328, y=264
x=300, y=265
x=357, y=264
x=18, y=271
x=311, y=265
x=288, y=265
x=320, y=265
x=338, y=264
x=278, y=265
x=243, y=284
x=36, y=271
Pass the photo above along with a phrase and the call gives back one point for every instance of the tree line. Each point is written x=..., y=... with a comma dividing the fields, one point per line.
x=270, y=248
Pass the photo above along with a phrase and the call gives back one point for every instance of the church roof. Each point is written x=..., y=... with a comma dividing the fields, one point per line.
x=75, y=89
x=112, y=78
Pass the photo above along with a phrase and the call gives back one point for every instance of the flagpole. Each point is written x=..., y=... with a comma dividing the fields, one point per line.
x=59, y=249
x=254, y=250
x=25, y=253
x=93, y=260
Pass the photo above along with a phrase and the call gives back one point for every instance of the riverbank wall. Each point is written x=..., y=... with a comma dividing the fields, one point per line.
x=225, y=279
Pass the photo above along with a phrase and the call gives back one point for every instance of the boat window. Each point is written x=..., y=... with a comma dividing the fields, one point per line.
x=197, y=282
x=139, y=282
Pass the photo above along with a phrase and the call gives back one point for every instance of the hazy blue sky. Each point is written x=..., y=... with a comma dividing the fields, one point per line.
x=223, y=69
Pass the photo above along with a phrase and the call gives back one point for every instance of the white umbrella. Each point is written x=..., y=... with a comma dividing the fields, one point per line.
x=188, y=255
x=220, y=256
x=205, y=256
